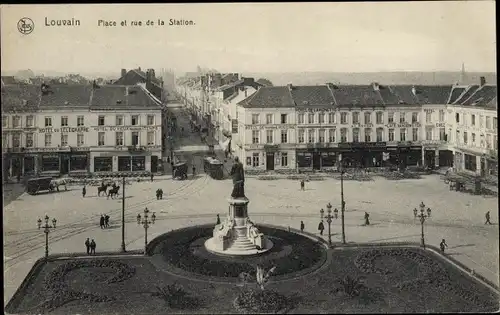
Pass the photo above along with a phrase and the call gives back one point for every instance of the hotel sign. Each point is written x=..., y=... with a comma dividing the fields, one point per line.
x=63, y=129
x=36, y=150
x=440, y=125
x=314, y=110
x=362, y=145
x=260, y=127
x=125, y=128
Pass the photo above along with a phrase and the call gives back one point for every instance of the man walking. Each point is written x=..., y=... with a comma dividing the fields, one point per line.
x=442, y=245
x=106, y=220
x=194, y=170
x=487, y=218
x=84, y=191
x=152, y=175
x=218, y=219
x=321, y=227
x=161, y=193
x=302, y=226
x=158, y=194
x=367, y=221
x=302, y=184
x=101, y=222
x=87, y=244
x=92, y=247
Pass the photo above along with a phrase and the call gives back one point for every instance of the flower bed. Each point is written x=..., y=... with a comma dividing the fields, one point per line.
x=400, y=175
x=362, y=177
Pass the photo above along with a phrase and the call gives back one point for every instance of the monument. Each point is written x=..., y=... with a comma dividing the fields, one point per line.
x=237, y=234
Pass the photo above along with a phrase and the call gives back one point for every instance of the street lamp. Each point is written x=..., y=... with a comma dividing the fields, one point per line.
x=329, y=218
x=145, y=222
x=342, y=172
x=46, y=230
x=322, y=213
x=422, y=217
x=336, y=213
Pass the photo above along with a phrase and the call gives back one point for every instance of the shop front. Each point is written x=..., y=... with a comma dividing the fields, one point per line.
x=362, y=154
x=316, y=157
x=404, y=154
x=126, y=162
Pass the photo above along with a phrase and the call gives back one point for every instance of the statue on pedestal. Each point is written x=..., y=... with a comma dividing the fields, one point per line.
x=238, y=176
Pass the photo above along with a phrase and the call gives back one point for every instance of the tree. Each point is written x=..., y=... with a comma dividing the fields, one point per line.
x=264, y=82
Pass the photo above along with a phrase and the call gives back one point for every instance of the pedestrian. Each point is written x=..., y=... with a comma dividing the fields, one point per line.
x=302, y=184
x=194, y=170
x=138, y=219
x=158, y=194
x=218, y=219
x=302, y=226
x=321, y=227
x=415, y=211
x=442, y=245
x=84, y=191
x=152, y=175
x=161, y=193
x=92, y=247
x=87, y=244
x=106, y=220
x=101, y=222
x=367, y=221
x=487, y=218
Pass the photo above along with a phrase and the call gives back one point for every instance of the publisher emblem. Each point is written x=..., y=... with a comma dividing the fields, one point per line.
x=25, y=26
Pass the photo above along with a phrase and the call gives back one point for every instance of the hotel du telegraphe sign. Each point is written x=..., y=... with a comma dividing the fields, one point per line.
x=96, y=128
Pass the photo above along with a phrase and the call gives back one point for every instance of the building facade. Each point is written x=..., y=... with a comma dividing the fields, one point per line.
x=52, y=130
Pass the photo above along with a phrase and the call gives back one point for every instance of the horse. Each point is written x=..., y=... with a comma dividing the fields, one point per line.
x=113, y=191
x=55, y=183
x=102, y=188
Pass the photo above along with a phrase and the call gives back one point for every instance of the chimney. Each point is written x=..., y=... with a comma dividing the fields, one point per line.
x=124, y=72
x=148, y=75
x=290, y=86
x=482, y=80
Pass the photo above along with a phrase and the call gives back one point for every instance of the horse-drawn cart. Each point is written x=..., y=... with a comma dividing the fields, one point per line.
x=35, y=185
x=180, y=170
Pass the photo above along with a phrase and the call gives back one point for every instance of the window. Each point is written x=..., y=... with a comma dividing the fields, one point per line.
x=64, y=139
x=495, y=143
x=64, y=121
x=368, y=135
x=150, y=120
x=368, y=118
x=321, y=135
x=391, y=134
x=310, y=135
x=124, y=163
x=48, y=140
x=495, y=123
x=473, y=136
x=5, y=121
x=414, y=117
x=442, y=134
x=119, y=120
x=331, y=118
x=457, y=117
x=29, y=140
x=255, y=136
x=470, y=162
x=284, y=159
x=380, y=134
x=269, y=119
x=269, y=136
x=355, y=118
x=428, y=117
x=488, y=122
x=135, y=120
x=488, y=141
x=100, y=138
x=465, y=137
x=402, y=118
x=284, y=136
x=310, y=118
x=100, y=121
x=343, y=135
x=457, y=136
x=16, y=140
x=321, y=118
x=481, y=121
x=48, y=121
x=473, y=119
x=150, y=137
x=138, y=163
x=79, y=121
x=103, y=164
x=29, y=121
x=16, y=122
x=255, y=119
x=135, y=138
x=343, y=118
x=301, y=135
x=255, y=159
x=50, y=163
x=355, y=135
x=301, y=118
x=390, y=117
x=283, y=118
x=119, y=138
x=379, y=118
x=402, y=134
x=428, y=133
x=79, y=139
x=331, y=135
x=441, y=115
x=414, y=133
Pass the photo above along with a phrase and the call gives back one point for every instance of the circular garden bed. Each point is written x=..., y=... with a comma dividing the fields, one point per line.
x=293, y=255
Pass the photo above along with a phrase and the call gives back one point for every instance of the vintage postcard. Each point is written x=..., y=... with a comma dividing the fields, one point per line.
x=250, y=158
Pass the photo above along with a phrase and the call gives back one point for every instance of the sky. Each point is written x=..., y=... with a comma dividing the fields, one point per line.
x=250, y=37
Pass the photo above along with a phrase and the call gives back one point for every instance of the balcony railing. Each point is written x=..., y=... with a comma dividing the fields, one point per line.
x=136, y=148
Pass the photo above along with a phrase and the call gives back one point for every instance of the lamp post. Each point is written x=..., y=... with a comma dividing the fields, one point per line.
x=422, y=217
x=342, y=209
x=123, y=215
x=145, y=222
x=46, y=230
x=329, y=218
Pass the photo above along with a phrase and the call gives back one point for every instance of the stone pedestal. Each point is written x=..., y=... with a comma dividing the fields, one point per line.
x=237, y=235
